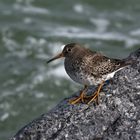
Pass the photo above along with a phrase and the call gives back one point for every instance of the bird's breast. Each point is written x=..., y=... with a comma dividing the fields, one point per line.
x=80, y=73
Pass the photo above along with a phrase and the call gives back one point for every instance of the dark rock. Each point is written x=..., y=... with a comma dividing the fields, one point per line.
x=117, y=117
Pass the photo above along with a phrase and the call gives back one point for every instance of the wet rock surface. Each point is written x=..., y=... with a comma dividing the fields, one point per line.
x=117, y=117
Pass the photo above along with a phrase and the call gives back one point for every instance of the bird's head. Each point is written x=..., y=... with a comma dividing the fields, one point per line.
x=68, y=51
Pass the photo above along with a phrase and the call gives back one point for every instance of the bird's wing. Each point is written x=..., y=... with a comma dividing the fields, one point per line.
x=102, y=65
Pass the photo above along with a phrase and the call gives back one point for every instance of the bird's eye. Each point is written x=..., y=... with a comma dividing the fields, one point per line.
x=69, y=49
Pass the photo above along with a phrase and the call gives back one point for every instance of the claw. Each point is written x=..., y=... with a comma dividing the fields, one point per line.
x=80, y=98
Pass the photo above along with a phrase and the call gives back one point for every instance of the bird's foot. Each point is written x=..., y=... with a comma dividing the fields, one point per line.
x=95, y=95
x=78, y=99
x=87, y=99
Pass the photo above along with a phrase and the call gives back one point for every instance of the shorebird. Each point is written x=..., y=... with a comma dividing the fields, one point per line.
x=89, y=68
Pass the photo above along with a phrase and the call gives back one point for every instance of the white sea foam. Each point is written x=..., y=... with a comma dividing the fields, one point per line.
x=27, y=20
x=56, y=47
x=78, y=8
x=4, y=116
x=39, y=95
x=100, y=23
x=38, y=79
x=81, y=33
x=30, y=9
x=59, y=71
x=135, y=32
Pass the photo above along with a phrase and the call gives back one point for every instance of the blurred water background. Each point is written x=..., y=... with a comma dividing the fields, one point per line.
x=31, y=31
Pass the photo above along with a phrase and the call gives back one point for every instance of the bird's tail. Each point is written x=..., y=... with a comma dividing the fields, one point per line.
x=128, y=61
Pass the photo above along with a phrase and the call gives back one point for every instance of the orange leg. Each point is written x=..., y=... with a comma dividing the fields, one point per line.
x=80, y=98
x=96, y=94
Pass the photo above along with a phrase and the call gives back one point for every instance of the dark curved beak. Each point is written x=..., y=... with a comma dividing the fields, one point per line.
x=60, y=55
